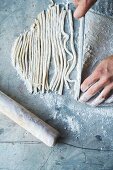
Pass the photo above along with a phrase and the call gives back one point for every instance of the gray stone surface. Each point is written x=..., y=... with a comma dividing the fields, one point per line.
x=87, y=133
x=104, y=7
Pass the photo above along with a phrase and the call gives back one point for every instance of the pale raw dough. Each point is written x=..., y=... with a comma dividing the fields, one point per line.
x=45, y=46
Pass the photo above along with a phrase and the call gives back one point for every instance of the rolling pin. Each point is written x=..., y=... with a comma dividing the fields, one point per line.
x=28, y=120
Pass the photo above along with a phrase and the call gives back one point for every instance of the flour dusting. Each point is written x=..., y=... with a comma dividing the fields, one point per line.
x=73, y=124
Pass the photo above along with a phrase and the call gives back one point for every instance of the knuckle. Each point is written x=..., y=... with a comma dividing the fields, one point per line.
x=103, y=96
x=96, y=71
x=100, y=71
x=106, y=79
x=92, y=91
x=95, y=74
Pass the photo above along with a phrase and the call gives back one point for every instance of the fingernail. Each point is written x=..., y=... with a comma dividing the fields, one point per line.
x=83, y=90
x=84, y=98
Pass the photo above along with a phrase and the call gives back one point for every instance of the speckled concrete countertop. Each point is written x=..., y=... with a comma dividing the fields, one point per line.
x=87, y=132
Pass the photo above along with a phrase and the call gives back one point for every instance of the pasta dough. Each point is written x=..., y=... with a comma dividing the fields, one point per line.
x=44, y=48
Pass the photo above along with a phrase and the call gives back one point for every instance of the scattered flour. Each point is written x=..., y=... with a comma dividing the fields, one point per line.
x=73, y=124
x=70, y=122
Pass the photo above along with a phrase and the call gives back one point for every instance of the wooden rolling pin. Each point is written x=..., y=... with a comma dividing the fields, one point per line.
x=28, y=120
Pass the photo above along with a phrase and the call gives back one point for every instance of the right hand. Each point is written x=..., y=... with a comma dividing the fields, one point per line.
x=82, y=7
x=101, y=80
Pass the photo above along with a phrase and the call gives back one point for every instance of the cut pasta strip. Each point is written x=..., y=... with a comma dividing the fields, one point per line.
x=54, y=47
x=58, y=78
x=74, y=58
x=41, y=54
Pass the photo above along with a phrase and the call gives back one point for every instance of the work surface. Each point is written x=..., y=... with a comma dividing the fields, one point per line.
x=87, y=133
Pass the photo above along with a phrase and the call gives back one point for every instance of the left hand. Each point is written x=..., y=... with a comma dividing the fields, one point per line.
x=100, y=80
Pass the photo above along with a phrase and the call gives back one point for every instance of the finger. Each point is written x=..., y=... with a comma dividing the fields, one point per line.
x=103, y=95
x=83, y=7
x=93, y=78
x=93, y=90
x=76, y=2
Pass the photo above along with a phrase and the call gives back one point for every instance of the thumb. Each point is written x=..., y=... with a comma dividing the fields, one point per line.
x=76, y=2
x=83, y=7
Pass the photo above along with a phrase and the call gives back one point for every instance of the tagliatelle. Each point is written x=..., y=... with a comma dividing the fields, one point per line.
x=45, y=47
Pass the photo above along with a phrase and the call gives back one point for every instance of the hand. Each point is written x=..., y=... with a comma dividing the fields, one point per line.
x=100, y=80
x=82, y=7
